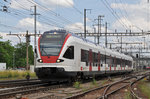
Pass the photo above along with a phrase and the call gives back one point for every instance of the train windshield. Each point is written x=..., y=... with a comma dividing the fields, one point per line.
x=51, y=44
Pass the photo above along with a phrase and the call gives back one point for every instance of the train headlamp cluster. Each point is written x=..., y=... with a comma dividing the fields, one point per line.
x=40, y=60
x=59, y=60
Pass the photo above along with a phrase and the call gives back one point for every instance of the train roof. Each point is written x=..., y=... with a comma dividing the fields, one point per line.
x=56, y=31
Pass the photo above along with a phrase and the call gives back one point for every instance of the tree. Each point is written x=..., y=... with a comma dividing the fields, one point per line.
x=6, y=53
x=20, y=55
x=15, y=56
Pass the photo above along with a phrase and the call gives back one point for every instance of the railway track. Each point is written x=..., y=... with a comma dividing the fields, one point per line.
x=104, y=92
x=15, y=83
x=19, y=80
x=11, y=92
x=35, y=88
x=134, y=95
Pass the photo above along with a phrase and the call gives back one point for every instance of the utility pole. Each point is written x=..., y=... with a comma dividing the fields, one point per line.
x=106, y=34
x=94, y=32
x=14, y=59
x=27, y=55
x=85, y=22
x=35, y=14
x=144, y=41
x=99, y=27
x=139, y=56
x=35, y=36
x=121, y=43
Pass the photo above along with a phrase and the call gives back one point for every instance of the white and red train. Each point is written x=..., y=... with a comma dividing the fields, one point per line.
x=63, y=55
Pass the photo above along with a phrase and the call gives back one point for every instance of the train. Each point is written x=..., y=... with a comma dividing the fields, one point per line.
x=62, y=55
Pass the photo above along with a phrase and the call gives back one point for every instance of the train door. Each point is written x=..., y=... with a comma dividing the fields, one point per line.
x=90, y=59
x=115, y=65
x=99, y=58
x=121, y=64
x=110, y=63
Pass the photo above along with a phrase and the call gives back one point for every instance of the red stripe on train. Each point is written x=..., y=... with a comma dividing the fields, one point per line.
x=99, y=68
x=99, y=58
x=65, y=42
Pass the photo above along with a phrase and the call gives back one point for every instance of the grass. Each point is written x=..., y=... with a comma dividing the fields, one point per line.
x=145, y=89
x=14, y=74
x=94, y=82
x=128, y=95
x=84, y=89
x=103, y=82
x=69, y=94
x=76, y=84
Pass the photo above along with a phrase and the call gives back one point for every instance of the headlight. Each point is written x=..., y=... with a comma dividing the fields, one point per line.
x=40, y=60
x=59, y=60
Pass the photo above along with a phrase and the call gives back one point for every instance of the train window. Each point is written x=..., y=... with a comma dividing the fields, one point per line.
x=69, y=54
x=95, y=59
x=102, y=59
x=123, y=63
x=126, y=62
x=101, y=65
x=129, y=63
x=108, y=60
x=85, y=56
x=118, y=61
x=113, y=61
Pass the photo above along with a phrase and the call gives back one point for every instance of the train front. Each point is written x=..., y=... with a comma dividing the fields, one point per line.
x=50, y=60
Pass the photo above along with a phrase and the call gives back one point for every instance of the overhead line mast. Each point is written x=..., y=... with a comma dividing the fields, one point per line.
x=85, y=22
x=99, y=27
x=35, y=55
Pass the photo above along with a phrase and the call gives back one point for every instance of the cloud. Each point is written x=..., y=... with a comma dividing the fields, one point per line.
x=62, y=3
x=137, y=15
x=17, y=4
x=14, y=39
x=77, y=27
x=51, y=4
x=28, y=24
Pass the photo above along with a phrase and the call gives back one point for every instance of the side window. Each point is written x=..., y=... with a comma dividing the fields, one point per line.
x=113, y=61
x=69, y=54
x=102, y=59
x=85, y=56
x=95, y=59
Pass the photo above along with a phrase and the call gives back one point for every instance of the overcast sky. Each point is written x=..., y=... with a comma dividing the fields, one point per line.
x=68, y=14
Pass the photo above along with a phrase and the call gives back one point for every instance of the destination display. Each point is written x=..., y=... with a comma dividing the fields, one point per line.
x=53, y=36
